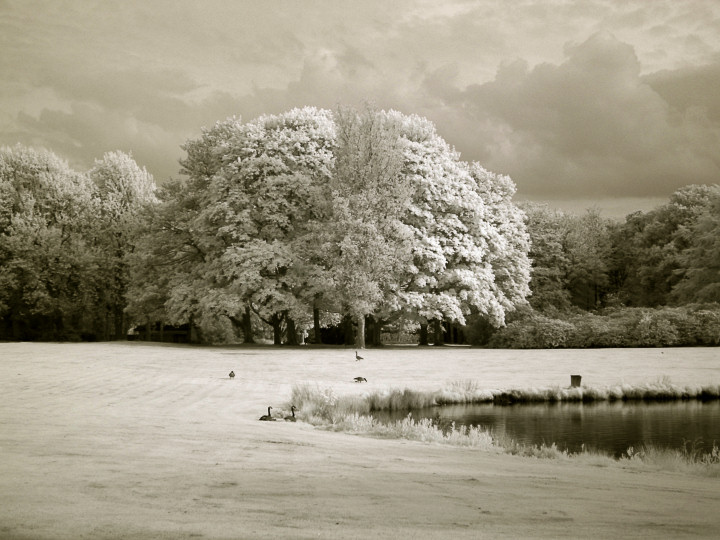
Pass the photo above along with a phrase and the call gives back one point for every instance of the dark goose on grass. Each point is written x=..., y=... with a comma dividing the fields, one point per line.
x=610, y=427
x=267, y=417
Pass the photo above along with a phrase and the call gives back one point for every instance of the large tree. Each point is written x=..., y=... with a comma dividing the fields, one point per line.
x=421, y=235
x=370, y=244
x=269, y=205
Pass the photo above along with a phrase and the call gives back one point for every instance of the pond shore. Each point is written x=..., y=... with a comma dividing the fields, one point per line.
x=149, y=441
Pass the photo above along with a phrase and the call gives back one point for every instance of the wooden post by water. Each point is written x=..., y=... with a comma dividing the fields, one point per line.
x=575, y=380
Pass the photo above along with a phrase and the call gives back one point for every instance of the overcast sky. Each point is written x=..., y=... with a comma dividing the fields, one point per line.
x=589, y=102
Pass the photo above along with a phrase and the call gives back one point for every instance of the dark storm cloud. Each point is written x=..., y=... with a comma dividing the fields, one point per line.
x=691, y=90
x=589, y=126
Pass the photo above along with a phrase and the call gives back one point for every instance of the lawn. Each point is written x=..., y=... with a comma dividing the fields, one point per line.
x=128, y=440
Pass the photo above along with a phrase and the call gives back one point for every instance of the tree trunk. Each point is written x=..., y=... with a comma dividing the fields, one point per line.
x=316, y=325
x=15, y=328
x=423, y=340
x=118, y=316
x=247, y=326
x=438, y=333
x=276, y=322
x=347, y=325
x=360, y=335
x=125, y=325
x=374, y=331
x=291, y=331
x=106, y=328
x=194, y=333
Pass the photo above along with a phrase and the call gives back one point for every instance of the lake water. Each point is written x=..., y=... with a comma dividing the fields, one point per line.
x=610, y=427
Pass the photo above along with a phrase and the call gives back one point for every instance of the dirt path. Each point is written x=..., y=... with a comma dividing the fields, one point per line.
x=95, y=448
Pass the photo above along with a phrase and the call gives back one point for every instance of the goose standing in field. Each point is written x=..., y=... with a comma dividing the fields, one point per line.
x=292, y=412
x=358, y=357
x=360, y=379
x=267, y=417
x=232, y=374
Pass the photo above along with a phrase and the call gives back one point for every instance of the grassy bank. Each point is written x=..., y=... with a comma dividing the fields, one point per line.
x=352, y=413
x=325, y=403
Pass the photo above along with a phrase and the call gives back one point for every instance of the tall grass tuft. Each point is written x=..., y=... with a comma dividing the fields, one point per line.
x=692, y=458
x=424, y=429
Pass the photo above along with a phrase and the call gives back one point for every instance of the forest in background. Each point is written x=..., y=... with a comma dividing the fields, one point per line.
x=650, y=280
x=348, y=225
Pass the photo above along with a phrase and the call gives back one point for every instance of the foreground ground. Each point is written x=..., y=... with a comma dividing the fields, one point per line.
x=139, y=441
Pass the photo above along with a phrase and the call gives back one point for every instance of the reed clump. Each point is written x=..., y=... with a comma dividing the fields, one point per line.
x=693, y=457
x=470, y=392
x=423, y=429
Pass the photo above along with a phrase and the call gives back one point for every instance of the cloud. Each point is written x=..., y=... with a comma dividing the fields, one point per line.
x=517, y=86
x=589, y=126
x=691, y=90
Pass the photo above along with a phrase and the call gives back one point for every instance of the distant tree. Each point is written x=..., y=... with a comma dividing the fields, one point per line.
x=171, y=266
x=548, y=252
x=699, y=276
x=124, y=189
x=47, y=263
x=649, y=247
x=588, y=249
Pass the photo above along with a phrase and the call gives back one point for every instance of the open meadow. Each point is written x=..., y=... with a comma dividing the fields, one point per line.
x=134, y=440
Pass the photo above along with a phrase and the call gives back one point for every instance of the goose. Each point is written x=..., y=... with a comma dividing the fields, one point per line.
x=292, y=411
x=232, y=374
x=267, y=417
x=358, y=357
x=360, y=379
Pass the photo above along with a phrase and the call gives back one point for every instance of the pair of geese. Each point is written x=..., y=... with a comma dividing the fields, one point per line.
x=269, y=418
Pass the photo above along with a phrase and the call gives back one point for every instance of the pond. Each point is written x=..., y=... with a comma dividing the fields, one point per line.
x=610, y=427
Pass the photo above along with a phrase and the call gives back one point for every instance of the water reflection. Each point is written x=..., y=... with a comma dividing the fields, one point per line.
x=606, y=426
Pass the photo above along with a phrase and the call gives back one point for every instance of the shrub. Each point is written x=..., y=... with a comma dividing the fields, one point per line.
x=534, y=332
x=655, y=330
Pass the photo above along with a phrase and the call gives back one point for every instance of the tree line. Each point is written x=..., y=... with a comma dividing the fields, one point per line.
x=357, y=220
x=650, y=280
x=64, y=238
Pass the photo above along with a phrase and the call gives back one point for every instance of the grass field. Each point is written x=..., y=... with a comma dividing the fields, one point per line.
x=129, y=440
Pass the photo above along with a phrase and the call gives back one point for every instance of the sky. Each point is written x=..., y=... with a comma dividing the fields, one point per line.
x=609, y=104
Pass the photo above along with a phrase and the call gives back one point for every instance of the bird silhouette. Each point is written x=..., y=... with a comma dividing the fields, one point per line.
x=267, y=417
x=232, y=374
x=358, y=357
x=360, y=379
x=291, y=418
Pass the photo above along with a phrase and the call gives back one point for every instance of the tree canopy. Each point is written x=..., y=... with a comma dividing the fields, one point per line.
x=63, y=237
x=358, y=213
